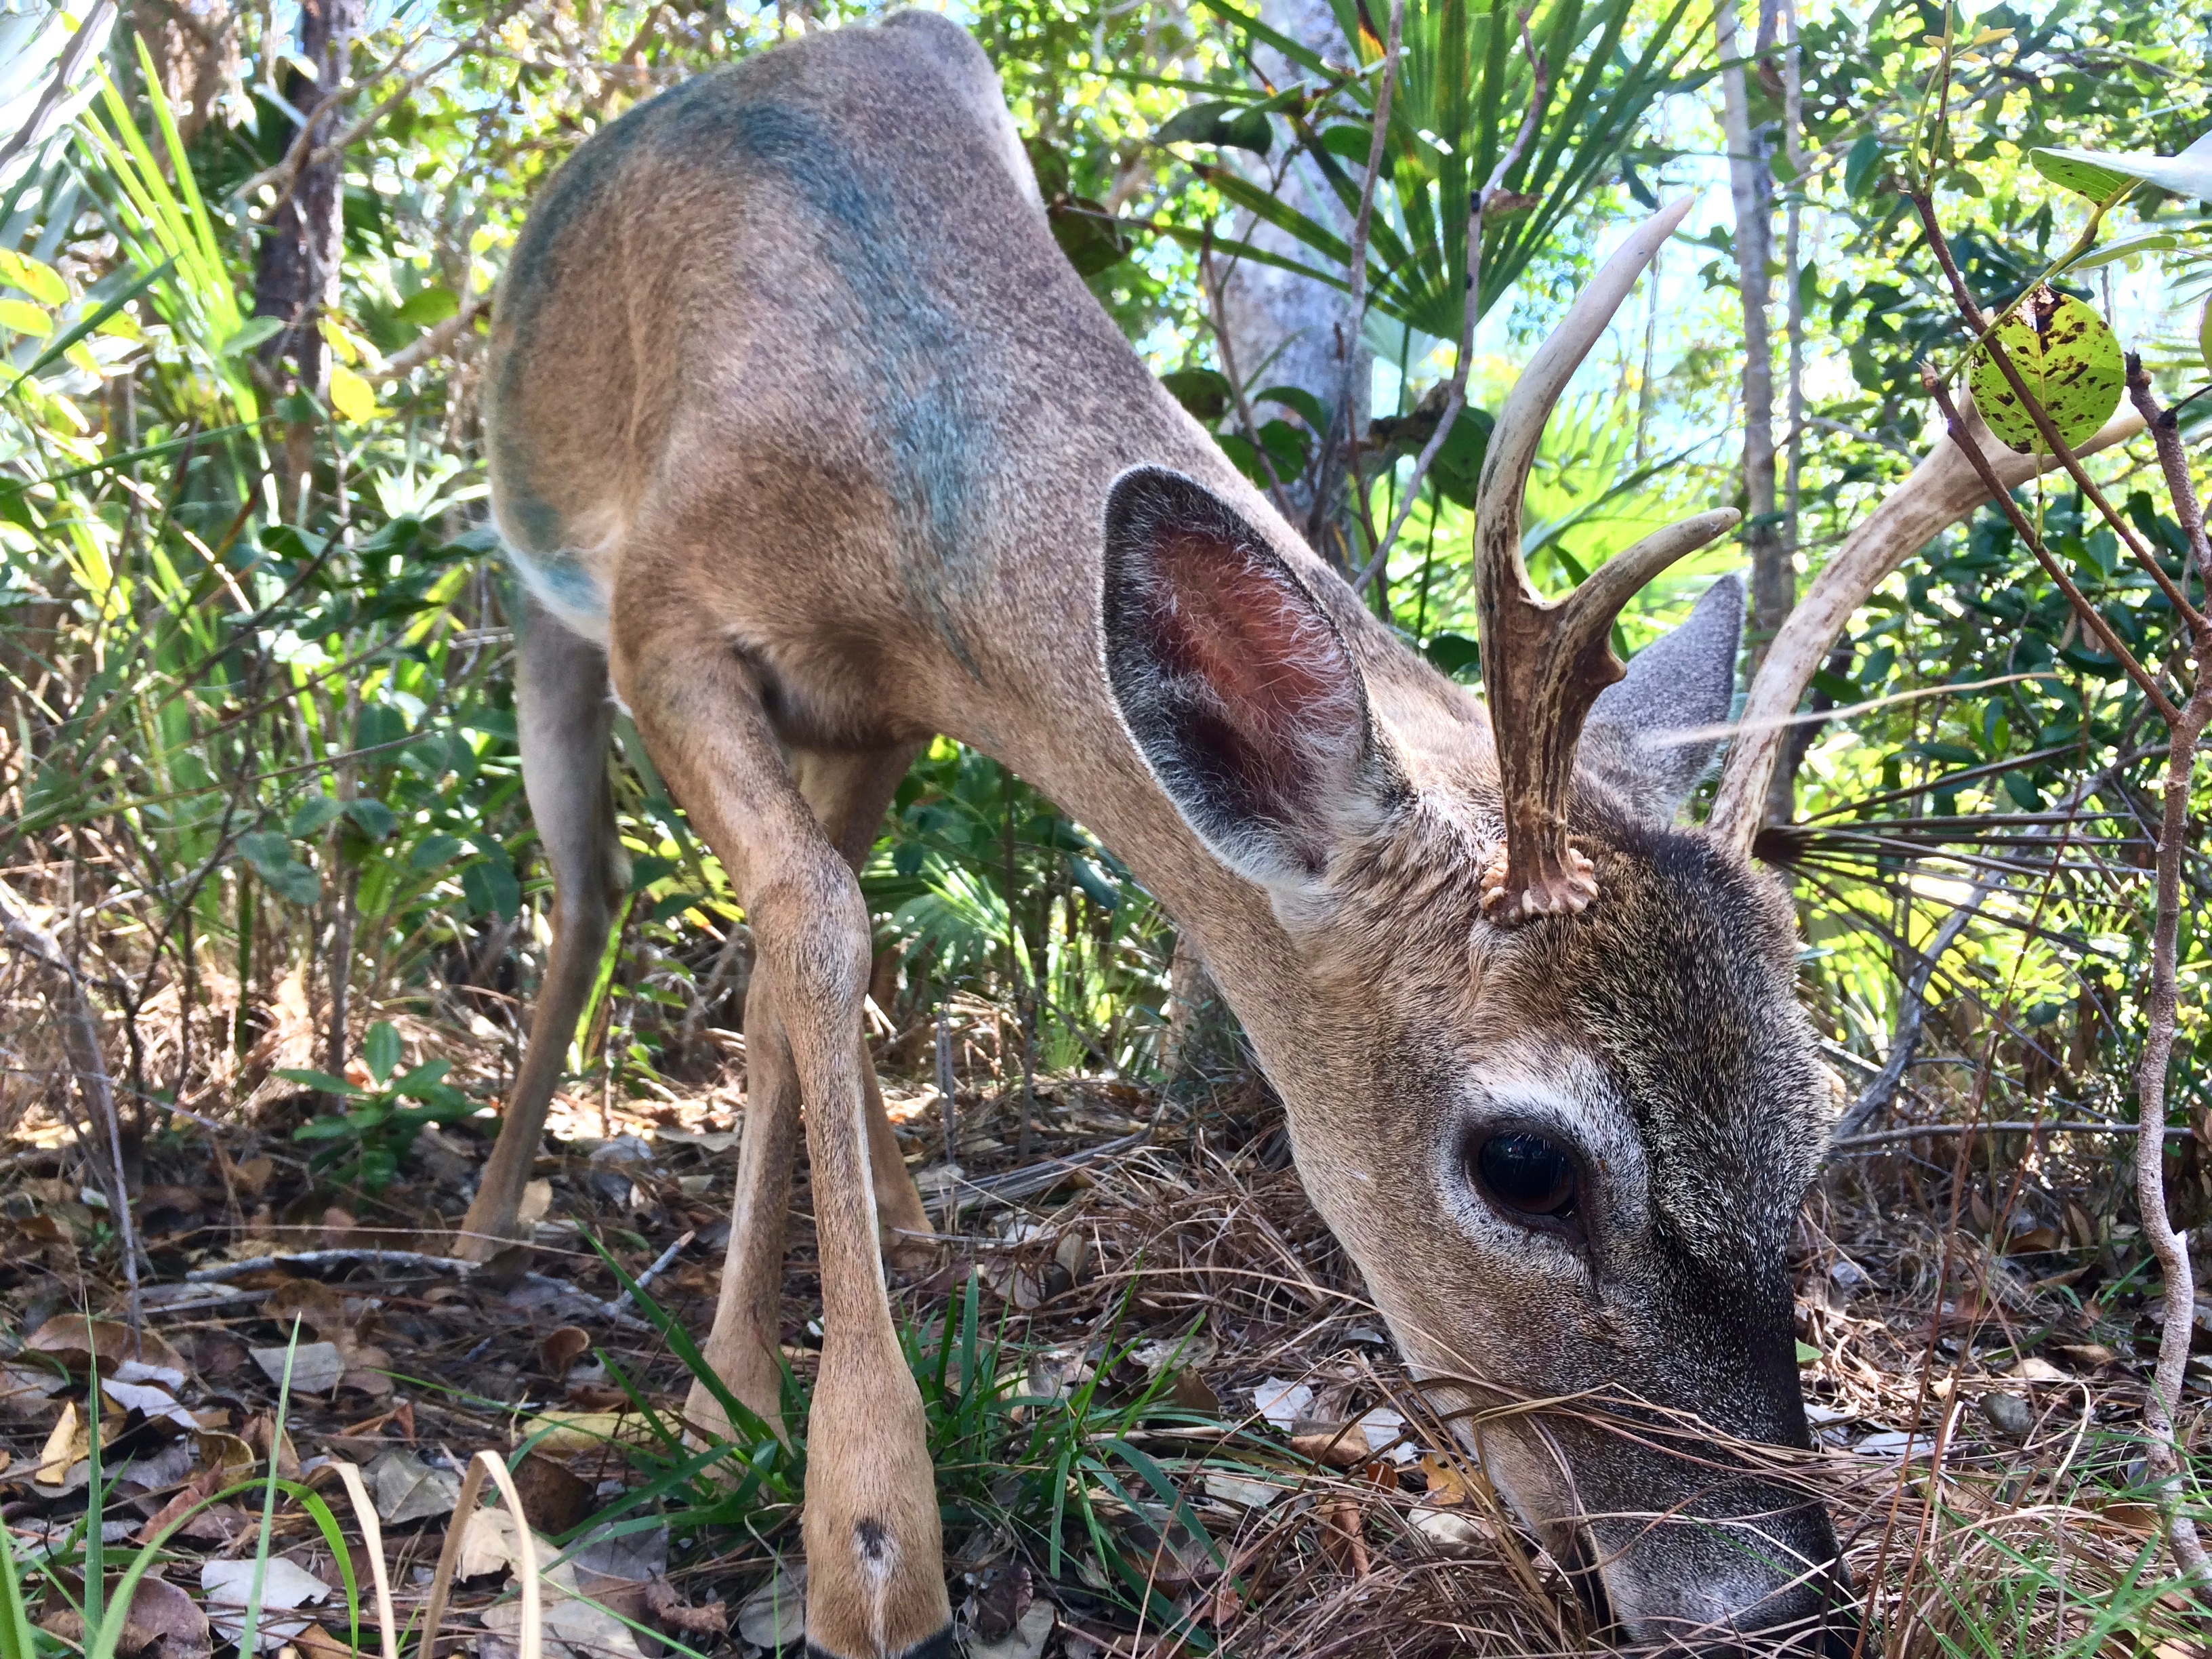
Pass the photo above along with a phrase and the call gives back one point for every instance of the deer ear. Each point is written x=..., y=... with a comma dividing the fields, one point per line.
x=1681, y=682
x=1238, y=688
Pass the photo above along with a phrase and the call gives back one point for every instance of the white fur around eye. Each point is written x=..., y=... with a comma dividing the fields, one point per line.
x=1570, y=1102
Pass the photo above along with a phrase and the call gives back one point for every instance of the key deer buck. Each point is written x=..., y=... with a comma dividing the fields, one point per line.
x=809, y=446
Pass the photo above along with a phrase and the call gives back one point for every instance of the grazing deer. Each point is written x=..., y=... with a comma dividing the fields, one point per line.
x=809, y=445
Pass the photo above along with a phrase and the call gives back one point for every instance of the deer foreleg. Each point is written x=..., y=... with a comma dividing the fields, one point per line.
x=874, y=1548
x=847, y=794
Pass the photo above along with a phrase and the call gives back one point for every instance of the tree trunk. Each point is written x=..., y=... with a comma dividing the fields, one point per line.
x=297, y=276
x=1288, y=330
x=1780, y=15
x=1773, y=579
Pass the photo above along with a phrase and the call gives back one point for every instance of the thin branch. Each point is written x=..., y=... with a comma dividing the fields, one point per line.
x=1905, y=1041
x=2168, y=1244
x=1929, y=1131
x=2092, y=618
x=80, y=1030
x=2045, y=427
x=1218, y=306
x=1456, y=399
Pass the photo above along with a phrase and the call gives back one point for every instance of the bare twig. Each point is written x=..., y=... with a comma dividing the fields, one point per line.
x=81, y=1039
x=2168, y=1244
x=1455, y=400
x=1905, y=1041
x=1926, y=1131
x=2091, y=617
x=2045, y=428
x=1219, y=311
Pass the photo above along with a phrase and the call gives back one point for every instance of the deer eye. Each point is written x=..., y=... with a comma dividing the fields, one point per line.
x=1528, y=1175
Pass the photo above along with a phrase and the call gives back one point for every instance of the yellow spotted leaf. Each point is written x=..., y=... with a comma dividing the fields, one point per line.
x=22, y=316
x=34, y=276
x=2067, y=359
x=353, y=398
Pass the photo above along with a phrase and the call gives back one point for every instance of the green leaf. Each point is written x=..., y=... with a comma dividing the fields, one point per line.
x=1807, y=1354
x=432, y=306
x=22, y=316
x=33, y=277
x=1206, y=392
x=433, y=851
x=381, y=1049
x=423, y=1078
x=1088, y=233
x=1309, y=407
x=491, y=887
x=251, y=333
x=322, y=1082
x=2204, y=335
x=2101, y=176
x=1859, y=167
x=2067, y=358
x=1458, y=466
x=2149, y=241
x=270, y=853
x=314, y=813
x=1454, y=654
x=1223, y=125
x=371, y=817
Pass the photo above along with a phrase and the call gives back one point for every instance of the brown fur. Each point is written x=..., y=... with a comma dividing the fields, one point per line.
x=801, y=416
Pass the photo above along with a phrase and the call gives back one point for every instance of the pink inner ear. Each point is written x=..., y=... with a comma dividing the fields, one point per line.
x=1283, y=677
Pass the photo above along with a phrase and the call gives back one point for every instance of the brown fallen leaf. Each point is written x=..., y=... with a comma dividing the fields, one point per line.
x=407, y=1489
x=69, y=1444
x=537, y=1202
x=313, y=1367
x=560, y=1349
x=1339, y=1448
x=317, y=1306
x=554, y=1496
x=1448, y=1480
x=671, y=1614
x=2094, y=1355
x=216, y=1524
x=1342, y=1538
x=79, y=1342
x=1191, y=1391
x=160, y=1612
x=256, y=1435
x=316, y=1643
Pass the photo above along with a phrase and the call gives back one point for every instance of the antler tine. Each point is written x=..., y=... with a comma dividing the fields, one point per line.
x=1544, y=664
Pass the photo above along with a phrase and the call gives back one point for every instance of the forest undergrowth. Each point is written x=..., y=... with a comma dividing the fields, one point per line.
x=1163, y=1418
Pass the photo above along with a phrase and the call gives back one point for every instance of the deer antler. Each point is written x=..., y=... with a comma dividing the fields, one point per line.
x=1940, y=490
x=1543, y=664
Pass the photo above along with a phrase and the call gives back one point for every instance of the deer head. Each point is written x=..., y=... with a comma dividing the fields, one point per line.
x=1545, y=1072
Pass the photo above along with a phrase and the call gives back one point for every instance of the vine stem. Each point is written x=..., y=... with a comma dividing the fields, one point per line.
x=2169, y=1245
x=2185, y=726
x=1971, y=312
